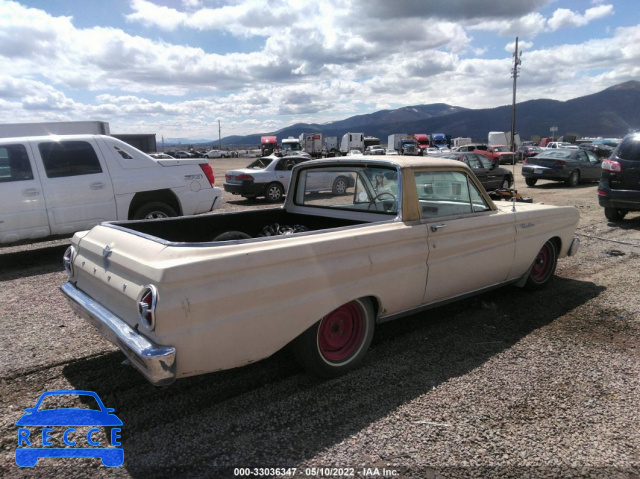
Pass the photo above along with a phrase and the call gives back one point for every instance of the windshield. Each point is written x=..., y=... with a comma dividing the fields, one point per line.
x=500, y=149
x=291, y=146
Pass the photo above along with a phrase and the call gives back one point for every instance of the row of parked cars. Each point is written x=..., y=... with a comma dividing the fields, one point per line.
x=618, y=175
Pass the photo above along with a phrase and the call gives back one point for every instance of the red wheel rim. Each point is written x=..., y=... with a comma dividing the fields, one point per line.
x=341, y=332
x=543, y=263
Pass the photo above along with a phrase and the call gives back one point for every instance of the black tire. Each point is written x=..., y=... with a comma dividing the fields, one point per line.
x=506, y=183
x=340, y=186
x=154, y=210
x=531, y=181
x=338, y=342
x=574, y=179
x=274, y=192
x=614, y=214
x=544, y=266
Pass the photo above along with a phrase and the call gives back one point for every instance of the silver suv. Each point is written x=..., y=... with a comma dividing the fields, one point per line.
x=619, y=188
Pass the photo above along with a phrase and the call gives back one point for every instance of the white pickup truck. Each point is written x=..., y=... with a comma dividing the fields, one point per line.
x=187, y=296
x=57, y=185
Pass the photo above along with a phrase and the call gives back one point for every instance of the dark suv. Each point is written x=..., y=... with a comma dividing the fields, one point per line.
x=619, y=188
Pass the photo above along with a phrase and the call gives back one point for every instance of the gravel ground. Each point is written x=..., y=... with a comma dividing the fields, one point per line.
x=507, y=384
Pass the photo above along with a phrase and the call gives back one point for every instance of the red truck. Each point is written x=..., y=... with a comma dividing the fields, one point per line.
x=268, y=145
x=422, y=142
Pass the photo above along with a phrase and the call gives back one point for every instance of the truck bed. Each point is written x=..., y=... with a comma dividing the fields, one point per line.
x=206, y=228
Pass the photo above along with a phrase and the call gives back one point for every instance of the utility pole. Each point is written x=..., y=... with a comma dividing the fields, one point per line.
x=219, y=137
x=514, y=73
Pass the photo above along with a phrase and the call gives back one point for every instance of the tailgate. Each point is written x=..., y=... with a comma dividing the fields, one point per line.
x=112, y=265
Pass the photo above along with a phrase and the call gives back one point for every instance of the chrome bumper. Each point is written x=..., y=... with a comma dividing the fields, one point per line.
x=156, y=363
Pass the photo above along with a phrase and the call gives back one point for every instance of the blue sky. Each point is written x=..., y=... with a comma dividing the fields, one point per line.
x=175, y=68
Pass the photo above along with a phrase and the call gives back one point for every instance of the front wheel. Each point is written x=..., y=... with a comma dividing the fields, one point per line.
x=154, y=210
x=544, y=265
x=274, y=193
x=614, y=214
x=338, y=342
x=531, y=181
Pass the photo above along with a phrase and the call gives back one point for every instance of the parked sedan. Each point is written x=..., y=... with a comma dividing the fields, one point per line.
x=527, y=151
x=374, y=150
x=490, y=175
x=569, y=165
x=267, y=176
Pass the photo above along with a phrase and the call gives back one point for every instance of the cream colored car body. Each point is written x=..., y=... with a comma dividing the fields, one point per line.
x=224, y=305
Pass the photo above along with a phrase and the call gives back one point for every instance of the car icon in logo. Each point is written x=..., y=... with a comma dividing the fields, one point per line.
x=66, y=420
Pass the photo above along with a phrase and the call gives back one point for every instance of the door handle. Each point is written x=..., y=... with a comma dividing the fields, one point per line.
x=435, y=228
x=31, y=192
x=96, y=186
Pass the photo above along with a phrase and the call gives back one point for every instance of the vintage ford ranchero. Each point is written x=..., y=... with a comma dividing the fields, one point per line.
x=187, y=296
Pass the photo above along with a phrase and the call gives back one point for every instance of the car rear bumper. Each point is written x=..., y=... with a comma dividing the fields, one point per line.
x=246, y=189
x=156, y=363
x=622, y=199
x=544, y=173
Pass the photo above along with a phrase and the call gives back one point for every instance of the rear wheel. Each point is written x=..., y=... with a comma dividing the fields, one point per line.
x=154, y=210
x=614, y=214
x=338, y=342
x=340, y=186
x=574, y=178
x=544, y=265
x=531, y=181
x=274, y=193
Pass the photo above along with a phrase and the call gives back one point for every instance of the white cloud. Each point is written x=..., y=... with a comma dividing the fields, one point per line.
x=564, y=17
x=315, y=61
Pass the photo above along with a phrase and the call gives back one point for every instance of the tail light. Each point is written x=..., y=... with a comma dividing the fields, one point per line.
x=560, y=164
x=525, y=161
x=602, y=192
x=67, y=260
x=611, y=165
x=147, y=300
x=208, y=172
x=244, y=177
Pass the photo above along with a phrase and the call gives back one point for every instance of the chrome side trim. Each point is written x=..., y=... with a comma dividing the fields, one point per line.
x=156, y=363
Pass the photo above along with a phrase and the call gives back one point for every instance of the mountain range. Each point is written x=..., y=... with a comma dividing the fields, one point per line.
x=610, y=113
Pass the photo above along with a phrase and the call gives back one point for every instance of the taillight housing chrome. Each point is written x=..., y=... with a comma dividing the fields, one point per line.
x=611, y=165
x=67, y=260
x=146, y=303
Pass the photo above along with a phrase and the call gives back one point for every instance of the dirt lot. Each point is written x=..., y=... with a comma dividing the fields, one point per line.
x=508, y=384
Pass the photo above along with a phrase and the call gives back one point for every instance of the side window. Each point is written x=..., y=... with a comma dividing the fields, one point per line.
x=473, y=162
x=282, y=165
x=14, y=164
x=69, y=158
x=582, y=156
x=593, y=158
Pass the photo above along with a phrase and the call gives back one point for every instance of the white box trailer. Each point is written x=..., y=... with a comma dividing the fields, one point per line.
x=457, y=142
x=10, y=130
x=312, y=144
x=394, y=142
x=352, y=141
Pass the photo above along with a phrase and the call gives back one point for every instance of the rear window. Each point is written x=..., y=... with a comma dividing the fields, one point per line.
x=629, y=148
